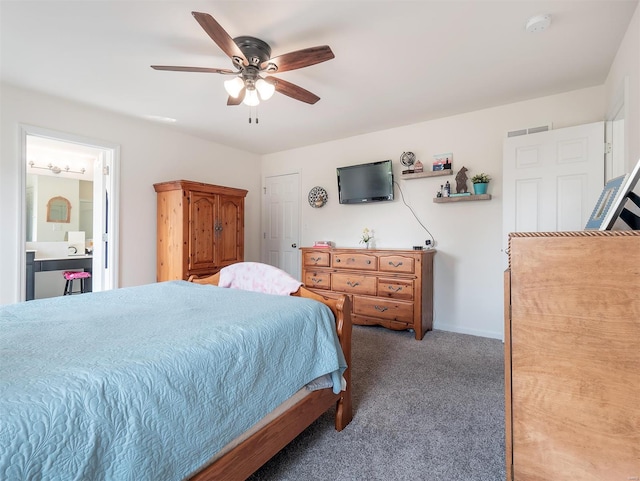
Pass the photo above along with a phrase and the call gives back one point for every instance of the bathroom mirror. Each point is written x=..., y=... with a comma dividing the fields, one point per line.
x=59, y=210
x=47, y=224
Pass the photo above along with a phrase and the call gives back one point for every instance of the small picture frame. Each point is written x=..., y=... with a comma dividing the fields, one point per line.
x=605, y=203
x=442, y=161
x=625, y=192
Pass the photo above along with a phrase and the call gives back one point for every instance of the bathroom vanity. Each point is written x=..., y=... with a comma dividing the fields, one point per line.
x=84, y=262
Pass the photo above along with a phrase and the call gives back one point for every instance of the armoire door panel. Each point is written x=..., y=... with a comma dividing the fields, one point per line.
x=229, y=230
x=202, y=216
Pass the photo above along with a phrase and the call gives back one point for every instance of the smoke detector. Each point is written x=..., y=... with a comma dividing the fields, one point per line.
x=538, y=23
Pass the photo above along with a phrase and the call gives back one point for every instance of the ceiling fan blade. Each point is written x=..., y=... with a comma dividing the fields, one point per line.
x=219, y=36
x=293, y=91
x=298, y=59
x=192, y=69
x=237, y=100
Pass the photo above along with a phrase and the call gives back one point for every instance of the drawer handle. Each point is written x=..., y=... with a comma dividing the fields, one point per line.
x=395, y=265
x=380, y=308
x=353, y=284
x=338, y=259
x=316, y=259
x=316, y=280
x=395, y=289
x=368, y=262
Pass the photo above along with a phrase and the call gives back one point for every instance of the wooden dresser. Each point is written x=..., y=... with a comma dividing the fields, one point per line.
x=390, y=288
x=572, y=356
x=200, y=228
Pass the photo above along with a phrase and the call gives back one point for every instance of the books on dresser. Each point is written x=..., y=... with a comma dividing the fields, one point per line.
x=323, y=244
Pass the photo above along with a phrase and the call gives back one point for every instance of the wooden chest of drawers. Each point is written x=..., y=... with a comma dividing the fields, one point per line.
x=390, y=288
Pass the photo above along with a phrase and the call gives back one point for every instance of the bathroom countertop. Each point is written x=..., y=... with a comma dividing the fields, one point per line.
x=64, y=258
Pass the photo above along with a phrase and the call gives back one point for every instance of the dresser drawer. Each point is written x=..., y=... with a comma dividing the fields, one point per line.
x=317, y=279
x=405, y=265
x=395, y=288
x=354, y=283
x=378, y=321
x=352, y=260
x=320, y=259
x=383, y=308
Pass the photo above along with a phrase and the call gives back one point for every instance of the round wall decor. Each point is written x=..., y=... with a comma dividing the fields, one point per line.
x=317, y=197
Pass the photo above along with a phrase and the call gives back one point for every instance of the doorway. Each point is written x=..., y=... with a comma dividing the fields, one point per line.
x=52, y=162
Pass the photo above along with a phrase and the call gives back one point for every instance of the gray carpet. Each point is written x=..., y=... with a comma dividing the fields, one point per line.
x=428, y=410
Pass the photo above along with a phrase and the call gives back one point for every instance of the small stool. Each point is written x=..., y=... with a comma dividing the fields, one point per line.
x=70, y=276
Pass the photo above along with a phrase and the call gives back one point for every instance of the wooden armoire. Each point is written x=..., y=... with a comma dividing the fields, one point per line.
x=572, y=356
x=200, y=228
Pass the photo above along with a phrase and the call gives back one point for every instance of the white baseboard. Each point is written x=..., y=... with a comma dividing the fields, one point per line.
x=473, y=332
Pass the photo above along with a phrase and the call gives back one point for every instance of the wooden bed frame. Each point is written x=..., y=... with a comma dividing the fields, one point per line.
x=245, y=458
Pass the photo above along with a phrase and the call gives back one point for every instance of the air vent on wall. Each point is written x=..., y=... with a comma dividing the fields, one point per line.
x=530, y=130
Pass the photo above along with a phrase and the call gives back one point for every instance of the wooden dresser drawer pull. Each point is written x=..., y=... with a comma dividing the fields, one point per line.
x=380, y=308
x=338, y=260
x=316, y=280
x=395, y=265
x=353, y=284
x=368, y=262
x=316, y=259
x=396, y=289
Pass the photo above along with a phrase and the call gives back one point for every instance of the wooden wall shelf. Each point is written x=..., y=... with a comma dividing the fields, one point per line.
x=427, y=173
x=464, y=198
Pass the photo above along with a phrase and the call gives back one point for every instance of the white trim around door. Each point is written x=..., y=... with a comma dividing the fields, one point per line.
x=106, y=206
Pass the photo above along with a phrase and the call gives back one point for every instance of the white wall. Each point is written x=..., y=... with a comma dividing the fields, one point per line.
x=468, y=265
x=149, y=153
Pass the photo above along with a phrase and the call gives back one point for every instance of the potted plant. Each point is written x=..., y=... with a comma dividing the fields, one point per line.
x=480, y=182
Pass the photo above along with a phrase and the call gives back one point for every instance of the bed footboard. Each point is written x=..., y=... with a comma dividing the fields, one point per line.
x=243, y=460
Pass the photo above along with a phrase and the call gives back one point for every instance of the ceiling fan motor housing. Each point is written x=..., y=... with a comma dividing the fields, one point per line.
x=255, y=50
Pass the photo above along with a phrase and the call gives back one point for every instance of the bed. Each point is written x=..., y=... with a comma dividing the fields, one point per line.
x=80, y=400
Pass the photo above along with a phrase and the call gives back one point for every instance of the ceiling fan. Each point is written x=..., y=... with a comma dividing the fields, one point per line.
x=252, y=80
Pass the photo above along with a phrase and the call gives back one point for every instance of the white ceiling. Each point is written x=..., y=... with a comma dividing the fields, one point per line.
x=396, y=62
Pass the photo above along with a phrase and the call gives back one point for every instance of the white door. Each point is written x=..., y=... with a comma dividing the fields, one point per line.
x=104, y=245
x=281, y=221
x=552, y=180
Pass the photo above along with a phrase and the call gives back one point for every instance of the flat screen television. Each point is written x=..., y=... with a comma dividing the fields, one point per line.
x=362, y=183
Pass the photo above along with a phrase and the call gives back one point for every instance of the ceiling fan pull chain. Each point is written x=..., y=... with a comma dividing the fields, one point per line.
x=253, y=112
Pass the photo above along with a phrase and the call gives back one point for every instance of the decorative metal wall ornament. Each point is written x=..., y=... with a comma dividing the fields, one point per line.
x=317, y=197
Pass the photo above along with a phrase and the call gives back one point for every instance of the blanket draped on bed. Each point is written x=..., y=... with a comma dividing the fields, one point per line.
x=148, y=382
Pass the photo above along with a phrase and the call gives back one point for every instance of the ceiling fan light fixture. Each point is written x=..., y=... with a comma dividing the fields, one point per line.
x=265, y=89
x=234, y=86
x=251, y=98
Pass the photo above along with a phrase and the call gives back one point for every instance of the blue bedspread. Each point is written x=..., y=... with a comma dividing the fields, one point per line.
x=147, y=383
